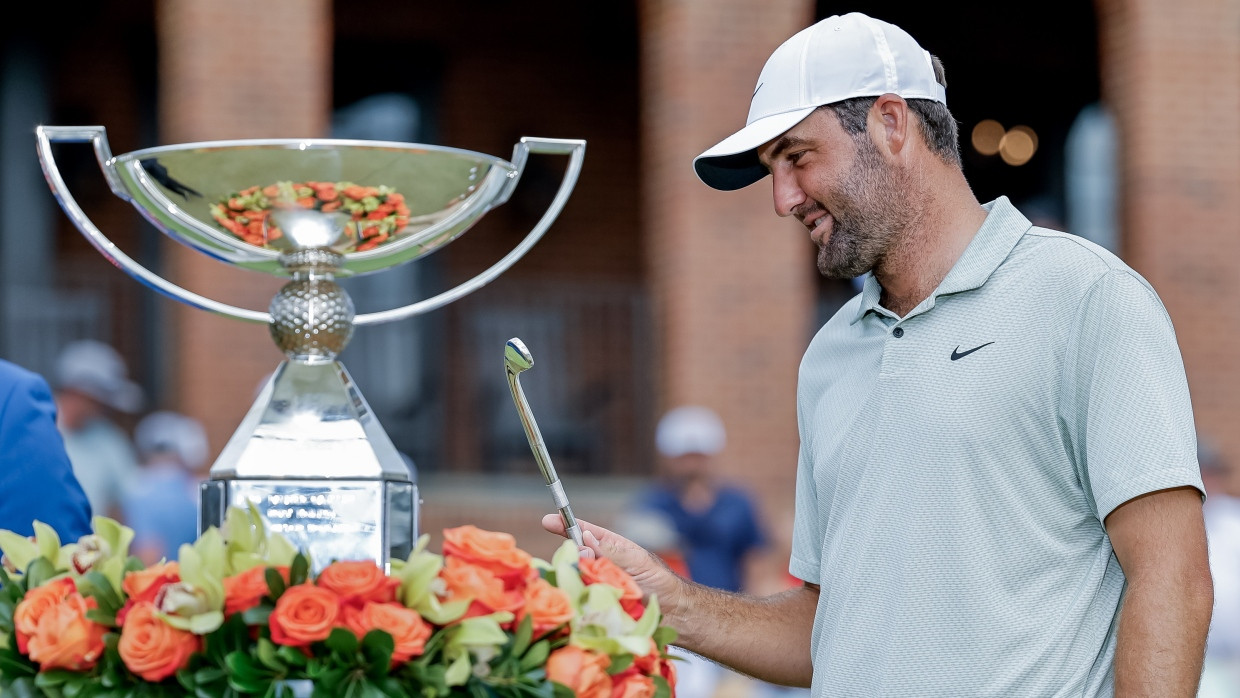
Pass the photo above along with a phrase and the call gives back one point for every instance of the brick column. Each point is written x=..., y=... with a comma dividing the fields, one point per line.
x=732, y=284
x=1171, y=75
x=234, y=69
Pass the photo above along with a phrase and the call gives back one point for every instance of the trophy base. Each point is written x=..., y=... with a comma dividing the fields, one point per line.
x=328, y=520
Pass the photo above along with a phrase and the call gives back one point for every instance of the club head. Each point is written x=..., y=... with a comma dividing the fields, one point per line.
x=516, y=357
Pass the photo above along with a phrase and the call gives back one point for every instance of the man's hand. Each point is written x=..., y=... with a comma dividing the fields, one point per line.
x=645, y=567
x=767, y=638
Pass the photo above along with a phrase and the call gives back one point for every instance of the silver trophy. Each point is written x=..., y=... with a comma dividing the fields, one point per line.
x=309, y=454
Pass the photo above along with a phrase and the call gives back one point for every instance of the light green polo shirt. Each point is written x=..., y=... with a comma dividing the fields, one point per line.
x=957, y=464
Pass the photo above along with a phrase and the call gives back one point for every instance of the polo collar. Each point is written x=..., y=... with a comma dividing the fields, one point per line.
x=1003, y=228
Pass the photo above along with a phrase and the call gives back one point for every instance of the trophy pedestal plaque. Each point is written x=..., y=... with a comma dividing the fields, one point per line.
x=310, y=455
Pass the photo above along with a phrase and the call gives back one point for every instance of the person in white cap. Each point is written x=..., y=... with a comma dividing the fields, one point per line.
x=160, y=504
x=91, y=383
x=997, y=491
x=717, y=528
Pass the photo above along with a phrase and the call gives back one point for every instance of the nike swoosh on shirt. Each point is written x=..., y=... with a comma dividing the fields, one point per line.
x=957, y=354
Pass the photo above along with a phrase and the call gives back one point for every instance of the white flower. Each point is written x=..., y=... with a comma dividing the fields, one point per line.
x=90, y=550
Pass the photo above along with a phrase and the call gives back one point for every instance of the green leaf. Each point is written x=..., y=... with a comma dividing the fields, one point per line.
x=664, y=636
x=619, y=663
x=258, y=615
x=299, y=571
x=100, y=587
x=377, y=648
x=40, y=571
x=525, y=632
x=562, y=691
x=266, y=652
x=274, y=582
x=536, y=657
x=342, y=642
x=661, y=687
x=292, y=656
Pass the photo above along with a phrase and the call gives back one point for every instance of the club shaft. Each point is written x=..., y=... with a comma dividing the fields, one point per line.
x=543, y=458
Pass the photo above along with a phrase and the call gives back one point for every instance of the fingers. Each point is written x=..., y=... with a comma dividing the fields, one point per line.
x=590, y=534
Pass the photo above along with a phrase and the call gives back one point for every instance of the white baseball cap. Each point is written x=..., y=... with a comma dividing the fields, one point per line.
x=96, y=369
x=839, y=58
x=690, y=429
x=173, y=433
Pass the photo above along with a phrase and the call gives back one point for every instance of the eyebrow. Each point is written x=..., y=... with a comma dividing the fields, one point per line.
x=783, y=144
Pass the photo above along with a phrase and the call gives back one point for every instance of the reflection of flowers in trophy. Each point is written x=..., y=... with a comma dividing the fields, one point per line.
x=376, y=213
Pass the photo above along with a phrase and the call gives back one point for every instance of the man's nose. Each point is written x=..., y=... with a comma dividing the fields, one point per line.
x=787, y=192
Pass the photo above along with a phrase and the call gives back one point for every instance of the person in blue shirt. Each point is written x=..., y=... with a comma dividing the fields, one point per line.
x=161, y=502
x=717, y=524
x=36, y=479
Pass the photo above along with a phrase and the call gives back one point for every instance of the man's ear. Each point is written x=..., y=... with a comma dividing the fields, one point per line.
x=891, y=124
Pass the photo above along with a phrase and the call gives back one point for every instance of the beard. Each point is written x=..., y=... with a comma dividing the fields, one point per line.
x=870, y=212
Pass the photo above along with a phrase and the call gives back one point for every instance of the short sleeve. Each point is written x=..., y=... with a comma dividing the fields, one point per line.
x=807, y=535
x=1125, y=404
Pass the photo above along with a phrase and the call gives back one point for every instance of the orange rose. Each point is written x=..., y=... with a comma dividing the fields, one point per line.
x=600, y=570
x=653, y=664
x=65, y=639
x=304, y=613
x=245, y=590
x=632, y=685
x=36, y=603
x=143, y=585
x=547, y=606
x=359, y=581
x=151, y=648
x=405, y=626
x=583, y=671
x=466, y=580
x=497, y=552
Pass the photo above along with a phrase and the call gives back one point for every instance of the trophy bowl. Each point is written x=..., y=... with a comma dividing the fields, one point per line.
x=309, y=455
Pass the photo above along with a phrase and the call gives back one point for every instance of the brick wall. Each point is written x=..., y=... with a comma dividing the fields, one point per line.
x=1171, y=74
x=731, y=282
x=234, y=69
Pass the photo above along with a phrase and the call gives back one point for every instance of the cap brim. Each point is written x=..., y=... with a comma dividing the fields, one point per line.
x=733, y=162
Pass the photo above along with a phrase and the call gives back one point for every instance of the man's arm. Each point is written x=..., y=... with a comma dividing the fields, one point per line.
x=1160, y=541
x=36, y=479
x=767, y=638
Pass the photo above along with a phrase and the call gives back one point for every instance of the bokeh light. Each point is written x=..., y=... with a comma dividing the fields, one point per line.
x=986, y=136
x=1018, y=145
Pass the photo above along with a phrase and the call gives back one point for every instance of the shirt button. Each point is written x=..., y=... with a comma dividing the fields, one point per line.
x=898, y=332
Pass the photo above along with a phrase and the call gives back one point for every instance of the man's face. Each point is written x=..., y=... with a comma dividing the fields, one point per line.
x=853, y=202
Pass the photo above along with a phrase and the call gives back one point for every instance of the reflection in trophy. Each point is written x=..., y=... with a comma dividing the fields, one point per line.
x=310, y=454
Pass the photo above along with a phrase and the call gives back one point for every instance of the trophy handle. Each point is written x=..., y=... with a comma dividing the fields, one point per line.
x=97, y=137
x=575, y=149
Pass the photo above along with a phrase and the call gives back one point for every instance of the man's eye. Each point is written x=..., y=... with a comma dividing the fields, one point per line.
x=794, y=158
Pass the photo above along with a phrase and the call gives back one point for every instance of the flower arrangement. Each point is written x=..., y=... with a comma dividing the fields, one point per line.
x=378, y=213
x=240, y=613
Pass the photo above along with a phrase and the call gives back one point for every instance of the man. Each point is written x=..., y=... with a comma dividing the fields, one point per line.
x=91, y=383
x=161, y=503
x=36, y=480
x=716, y=524
x=997, y=490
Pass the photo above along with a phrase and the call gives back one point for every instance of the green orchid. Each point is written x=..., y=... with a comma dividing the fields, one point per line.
x=419, y=582
x=477, y=638
x=197, y=603
x=249, y=544
x=604, y=626
x=19, y=551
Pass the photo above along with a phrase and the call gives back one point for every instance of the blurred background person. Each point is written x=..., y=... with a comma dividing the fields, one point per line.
x=161, y=502
x=1221, y=676
x=91, y=383
x=36, y=480
x=716, y=524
